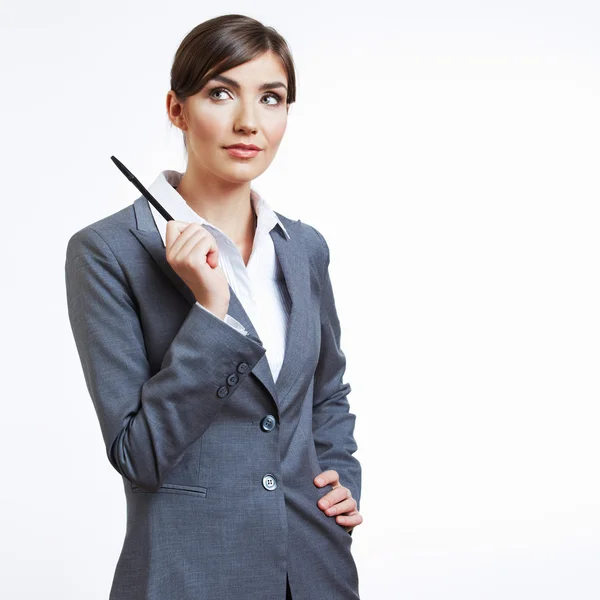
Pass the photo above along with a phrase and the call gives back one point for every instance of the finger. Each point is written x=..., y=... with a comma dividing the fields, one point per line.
x=329, y=476
x=201, y=242
x=345, y=506
x=349, y=520
x=179, y=226
x=336, y=495
x=174, y=228
x=183, y=237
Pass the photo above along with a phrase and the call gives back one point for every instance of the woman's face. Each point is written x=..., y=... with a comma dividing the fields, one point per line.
x=236, y=110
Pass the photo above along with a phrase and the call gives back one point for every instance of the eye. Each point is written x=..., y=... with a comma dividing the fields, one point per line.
x=219, y=89
x=278, y=98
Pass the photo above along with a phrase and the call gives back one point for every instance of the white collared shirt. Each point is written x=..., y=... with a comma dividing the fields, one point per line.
x=260, y=286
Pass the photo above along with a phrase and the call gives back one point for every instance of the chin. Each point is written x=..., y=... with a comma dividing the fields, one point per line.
x=237, y=177
x=241, y=173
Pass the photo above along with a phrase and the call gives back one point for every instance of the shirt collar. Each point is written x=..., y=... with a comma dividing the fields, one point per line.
x=163, y=189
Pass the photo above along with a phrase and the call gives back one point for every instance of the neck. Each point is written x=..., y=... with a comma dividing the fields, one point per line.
x=226, y=205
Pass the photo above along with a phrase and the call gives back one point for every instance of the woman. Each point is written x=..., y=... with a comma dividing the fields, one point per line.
x=210, y=346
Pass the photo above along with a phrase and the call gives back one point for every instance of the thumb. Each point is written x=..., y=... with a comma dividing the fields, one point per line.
x=212, y=258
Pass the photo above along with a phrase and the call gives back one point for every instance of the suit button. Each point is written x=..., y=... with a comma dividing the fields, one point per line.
x=223, y=391
x=232, y=379
x=243, y=367
x=267, y=423
x=269, y=482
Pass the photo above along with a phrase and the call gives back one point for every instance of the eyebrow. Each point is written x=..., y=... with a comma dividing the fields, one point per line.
x=236, y=85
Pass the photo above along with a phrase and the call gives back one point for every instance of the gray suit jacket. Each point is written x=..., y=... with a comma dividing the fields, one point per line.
x=217, y=459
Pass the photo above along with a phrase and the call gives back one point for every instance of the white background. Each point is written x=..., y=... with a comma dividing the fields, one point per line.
x=449, y=153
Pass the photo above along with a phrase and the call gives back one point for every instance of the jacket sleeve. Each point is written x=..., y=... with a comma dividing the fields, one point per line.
x=333, y=423
x=147, y=421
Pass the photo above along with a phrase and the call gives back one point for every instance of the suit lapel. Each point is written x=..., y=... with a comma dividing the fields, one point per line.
x=293, y=259
x=294, y=265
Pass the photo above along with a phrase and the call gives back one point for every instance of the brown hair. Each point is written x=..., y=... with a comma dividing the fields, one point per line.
x=223, y=43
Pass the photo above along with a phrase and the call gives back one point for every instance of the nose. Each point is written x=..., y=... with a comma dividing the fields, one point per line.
x=245, y=119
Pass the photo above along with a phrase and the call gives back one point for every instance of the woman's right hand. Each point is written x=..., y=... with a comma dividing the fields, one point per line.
x=193, y=254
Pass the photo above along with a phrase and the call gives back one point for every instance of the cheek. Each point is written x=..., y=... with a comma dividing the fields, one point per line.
x=279, y=128
x=207, y=128
x=275, y=131
x=206, y=123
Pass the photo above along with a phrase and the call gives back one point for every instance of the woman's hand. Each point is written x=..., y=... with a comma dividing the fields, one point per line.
x=338, y=501
x=193, y=253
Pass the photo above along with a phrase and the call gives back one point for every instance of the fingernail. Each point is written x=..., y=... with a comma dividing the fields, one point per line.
x=320, y=481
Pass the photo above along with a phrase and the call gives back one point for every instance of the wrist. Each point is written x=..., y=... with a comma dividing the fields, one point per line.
x=219, y=311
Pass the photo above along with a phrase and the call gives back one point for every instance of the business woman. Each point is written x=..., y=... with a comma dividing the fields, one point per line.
x=210, y=346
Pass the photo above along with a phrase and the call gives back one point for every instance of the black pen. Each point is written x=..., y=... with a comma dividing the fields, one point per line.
x=142, y=189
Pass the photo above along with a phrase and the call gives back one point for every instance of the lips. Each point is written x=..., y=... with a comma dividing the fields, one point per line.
x=243, y=151
x=244, y=147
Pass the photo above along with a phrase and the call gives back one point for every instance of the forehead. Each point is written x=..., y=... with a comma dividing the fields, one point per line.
x=264, y=68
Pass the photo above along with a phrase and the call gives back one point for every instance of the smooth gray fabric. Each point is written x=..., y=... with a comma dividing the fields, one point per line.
x=185, y=435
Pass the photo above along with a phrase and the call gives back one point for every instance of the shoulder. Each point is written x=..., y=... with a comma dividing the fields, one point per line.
x=311, y=238
x=102, y=235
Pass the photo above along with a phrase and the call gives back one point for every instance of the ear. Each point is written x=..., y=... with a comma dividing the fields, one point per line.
x=175, y=110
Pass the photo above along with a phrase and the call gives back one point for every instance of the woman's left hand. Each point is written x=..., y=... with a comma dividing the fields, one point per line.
x=338, y=501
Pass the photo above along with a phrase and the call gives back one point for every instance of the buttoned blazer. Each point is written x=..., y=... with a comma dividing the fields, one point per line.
x=217, y=460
